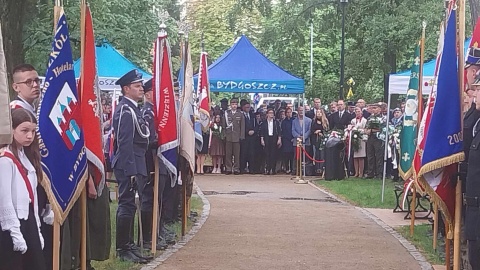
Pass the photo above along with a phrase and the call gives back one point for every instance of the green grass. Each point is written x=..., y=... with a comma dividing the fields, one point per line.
x=362, y=192
x=196, y=205
x=423, y=242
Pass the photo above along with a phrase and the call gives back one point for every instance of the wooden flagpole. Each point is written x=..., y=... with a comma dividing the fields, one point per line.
x=435, y=225
x=155, y=204
x=182, y=176
x=413, y=204
x=447, y=249
x=56, y=224
x=458, y=189
x=83, y=198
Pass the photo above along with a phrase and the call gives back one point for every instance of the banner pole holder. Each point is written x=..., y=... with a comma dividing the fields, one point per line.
x=299, y=178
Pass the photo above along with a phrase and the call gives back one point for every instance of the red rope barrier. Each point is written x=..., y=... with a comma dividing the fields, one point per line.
x=309, y=157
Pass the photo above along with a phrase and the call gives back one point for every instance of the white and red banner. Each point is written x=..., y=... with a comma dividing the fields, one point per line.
x=203, y=92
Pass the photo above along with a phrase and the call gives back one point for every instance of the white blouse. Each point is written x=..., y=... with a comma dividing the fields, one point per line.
x=14, y=198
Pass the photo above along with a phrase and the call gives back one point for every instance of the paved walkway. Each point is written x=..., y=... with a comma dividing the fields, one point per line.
x=281, y=225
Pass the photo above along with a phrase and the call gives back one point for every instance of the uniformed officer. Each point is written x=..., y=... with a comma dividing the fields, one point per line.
x=131, y=143
x=147, y=200
x=234, y=125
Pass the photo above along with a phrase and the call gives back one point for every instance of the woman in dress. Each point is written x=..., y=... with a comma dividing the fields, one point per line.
x=319, y=127
x=359, y=122
x=217, y=144
x=21, y=241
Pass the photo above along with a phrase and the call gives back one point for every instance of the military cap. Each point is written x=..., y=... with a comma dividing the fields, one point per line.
x=473, y=57
x=397, y=109
x=351, y=104
x=147, y=86
x=130, y=77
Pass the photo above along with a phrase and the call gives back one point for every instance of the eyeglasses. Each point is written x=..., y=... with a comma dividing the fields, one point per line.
x=30, y=82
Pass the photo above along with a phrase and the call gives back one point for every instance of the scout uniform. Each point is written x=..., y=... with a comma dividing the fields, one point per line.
x=234, y=125
x=131, y=143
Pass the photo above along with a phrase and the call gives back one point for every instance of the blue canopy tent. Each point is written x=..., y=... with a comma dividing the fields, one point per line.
x=398, y=82
x=243, y=69
x=111, y=65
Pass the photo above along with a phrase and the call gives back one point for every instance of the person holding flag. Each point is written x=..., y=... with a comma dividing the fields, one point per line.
x=131, y=142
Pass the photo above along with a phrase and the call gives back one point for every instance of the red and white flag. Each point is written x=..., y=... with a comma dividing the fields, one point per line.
x=203, y=91
x=165, y=106
x=91, y=109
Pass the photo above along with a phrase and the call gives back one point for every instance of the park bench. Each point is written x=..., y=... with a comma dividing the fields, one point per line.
x=423, y=206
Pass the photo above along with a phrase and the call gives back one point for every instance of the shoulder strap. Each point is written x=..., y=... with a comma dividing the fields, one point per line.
x=23, y=172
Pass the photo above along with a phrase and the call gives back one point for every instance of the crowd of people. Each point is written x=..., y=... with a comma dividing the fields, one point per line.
x=243, y=140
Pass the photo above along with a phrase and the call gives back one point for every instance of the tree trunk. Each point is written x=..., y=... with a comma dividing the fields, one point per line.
x=474, y=10
x=12, y=18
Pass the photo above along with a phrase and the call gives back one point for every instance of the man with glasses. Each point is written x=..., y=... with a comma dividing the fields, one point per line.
x=27, y=85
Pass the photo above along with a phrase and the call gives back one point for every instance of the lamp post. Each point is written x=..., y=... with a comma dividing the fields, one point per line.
x=343, y=4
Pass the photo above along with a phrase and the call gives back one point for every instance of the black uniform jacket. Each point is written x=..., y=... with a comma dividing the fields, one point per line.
x=129, y=146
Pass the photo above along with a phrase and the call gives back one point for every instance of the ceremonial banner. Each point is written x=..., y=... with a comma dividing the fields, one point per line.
x=60, y=128
x=5, y=117
x=164, y=106
x=90, y=107
x=409, y=131
x=187, y=136
x=441, y=139
x=203, y=92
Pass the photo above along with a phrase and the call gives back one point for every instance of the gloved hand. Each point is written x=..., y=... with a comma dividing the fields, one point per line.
x=19, y=243
x=49, y=217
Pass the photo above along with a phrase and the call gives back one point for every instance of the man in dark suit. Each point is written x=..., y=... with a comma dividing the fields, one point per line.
x=340, y=119
x=317, y=105
x=247, y=146
x=131, y=143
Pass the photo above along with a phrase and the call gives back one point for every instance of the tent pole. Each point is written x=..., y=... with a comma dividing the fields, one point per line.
x=385, y=157
x=303, y=137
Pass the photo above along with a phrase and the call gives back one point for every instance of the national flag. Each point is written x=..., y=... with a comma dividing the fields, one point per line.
x=89, y=102
x=203, y=91
x=409, y=130
x=187, y=136
x=442, y=144
x=164, y=106
x=5, y=117
x=60, y=129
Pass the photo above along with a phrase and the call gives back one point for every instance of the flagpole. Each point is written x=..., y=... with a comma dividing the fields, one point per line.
x=458, y=190
x=184, y=186
x=435, y=225
x=56, y=224
x=83, y=198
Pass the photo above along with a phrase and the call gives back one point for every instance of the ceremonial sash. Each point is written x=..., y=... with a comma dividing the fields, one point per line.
x=23, y=172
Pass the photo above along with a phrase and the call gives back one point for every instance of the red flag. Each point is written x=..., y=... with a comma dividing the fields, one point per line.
x=90, y=106
x=203, y=91
x=164, y=105
x=474, y=42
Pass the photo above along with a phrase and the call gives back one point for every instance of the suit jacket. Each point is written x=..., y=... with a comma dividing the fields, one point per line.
x=311, y=114
x=234, y=125
x=297, y=130
x=250, y=124
x=130, y=147
x=277, y=131
x=340, y=123
x=365, y=114
x=286, y=127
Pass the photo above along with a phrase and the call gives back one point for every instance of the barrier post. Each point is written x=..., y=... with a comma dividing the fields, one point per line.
x=299, y=178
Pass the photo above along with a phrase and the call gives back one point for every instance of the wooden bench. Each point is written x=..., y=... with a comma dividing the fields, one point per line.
x=420, y=204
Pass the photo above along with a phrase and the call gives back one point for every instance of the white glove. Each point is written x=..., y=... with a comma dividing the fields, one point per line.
x=49, y=217
x=42, y=242
x=19, y=243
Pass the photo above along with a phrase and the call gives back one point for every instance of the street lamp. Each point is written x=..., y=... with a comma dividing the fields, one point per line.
x=343, y=4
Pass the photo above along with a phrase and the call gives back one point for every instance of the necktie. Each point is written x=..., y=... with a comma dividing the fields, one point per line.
x=340, y=114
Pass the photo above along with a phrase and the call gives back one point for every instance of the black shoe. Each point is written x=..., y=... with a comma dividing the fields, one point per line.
x=128, y=256
x=236, y=173
x=136, y=251
x=228, y=172
x=161, y=245
x=370, y=177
